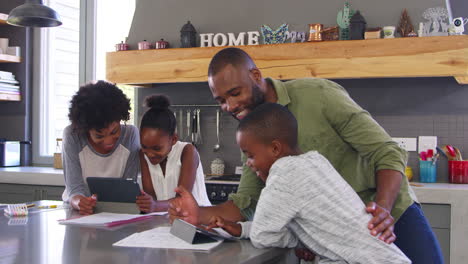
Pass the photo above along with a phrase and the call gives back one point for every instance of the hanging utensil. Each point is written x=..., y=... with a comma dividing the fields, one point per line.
x=189, y=131
x=175, y=116
x=194, y=127
x=200, y=139
x=217, y=146
x=181, y=124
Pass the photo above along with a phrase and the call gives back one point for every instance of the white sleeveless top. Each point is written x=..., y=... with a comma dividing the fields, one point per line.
x=164, y=185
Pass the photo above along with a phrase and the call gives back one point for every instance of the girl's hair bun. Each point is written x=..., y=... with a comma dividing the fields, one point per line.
x=157, y=101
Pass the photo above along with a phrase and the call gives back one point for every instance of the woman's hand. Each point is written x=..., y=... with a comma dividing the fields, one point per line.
x=146, y=203
x=84, y=204
x=232, y=228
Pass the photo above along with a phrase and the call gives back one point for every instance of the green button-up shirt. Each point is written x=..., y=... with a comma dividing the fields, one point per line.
x=334, y=125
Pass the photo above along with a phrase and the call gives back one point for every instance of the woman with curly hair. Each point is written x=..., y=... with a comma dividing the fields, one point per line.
x=96, y=144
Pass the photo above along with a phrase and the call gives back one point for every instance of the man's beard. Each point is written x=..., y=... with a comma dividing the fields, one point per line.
x=258, y=98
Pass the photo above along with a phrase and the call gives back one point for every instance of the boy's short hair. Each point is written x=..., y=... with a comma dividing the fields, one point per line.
x=270, y=121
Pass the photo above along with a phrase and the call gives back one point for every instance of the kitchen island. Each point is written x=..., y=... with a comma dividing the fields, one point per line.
x=39, y=239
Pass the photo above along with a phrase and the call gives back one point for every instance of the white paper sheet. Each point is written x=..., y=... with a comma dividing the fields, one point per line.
x=105, y=219
x=160, y=237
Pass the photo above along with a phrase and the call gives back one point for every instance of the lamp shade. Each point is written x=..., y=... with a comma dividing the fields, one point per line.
x=34, y=14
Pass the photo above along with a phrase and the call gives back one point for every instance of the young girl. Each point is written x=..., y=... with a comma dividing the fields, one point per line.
x=165, y=161
x=96, y=144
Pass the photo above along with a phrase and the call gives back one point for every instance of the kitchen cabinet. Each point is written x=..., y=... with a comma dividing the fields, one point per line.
x=20, y=193
x=4, y=58
x=376, y=58
x=439, y=217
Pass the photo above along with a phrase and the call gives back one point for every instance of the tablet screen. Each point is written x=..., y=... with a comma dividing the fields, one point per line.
x=114, y=189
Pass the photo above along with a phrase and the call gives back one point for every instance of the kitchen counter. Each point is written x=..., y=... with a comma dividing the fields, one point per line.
x=455, y=195
x=40, y=239
x=32, y=175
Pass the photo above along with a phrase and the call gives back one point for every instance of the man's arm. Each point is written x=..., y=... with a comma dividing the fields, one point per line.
x=364, y=134
x=248, y=192
x=388, y=186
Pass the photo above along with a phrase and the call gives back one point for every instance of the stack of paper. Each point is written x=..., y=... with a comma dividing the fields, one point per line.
x=108, y=219
x=9, y=86
x=160, y=237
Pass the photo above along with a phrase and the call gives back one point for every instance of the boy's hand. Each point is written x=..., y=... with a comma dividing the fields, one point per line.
x=184, y=207
x=381, y=222
x=304, y=253
x=145, y=202
x=84, y=204
x=232, y=228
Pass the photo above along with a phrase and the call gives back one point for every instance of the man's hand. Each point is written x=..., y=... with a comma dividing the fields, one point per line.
x=232, y=228
x=381, y=222
x=184, y=207
x=85, y=204
x=145, y=202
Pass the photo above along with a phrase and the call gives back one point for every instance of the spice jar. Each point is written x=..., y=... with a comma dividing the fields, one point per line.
x=217, y=167
x=121, y=46
x=162, y=44
x=315, y=32
x=58, y=154
x=143, y=45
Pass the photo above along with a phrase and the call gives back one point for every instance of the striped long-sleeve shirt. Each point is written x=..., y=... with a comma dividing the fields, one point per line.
x=306, y=199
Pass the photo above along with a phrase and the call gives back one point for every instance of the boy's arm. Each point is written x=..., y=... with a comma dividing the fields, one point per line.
x=275, y=210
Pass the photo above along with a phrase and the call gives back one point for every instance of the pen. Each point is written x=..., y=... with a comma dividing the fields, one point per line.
x=47, y=206
x=30, y=205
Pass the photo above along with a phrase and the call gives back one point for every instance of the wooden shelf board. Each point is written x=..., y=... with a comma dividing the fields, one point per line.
x=398, y=57
x=9, y=97
x=5, y=58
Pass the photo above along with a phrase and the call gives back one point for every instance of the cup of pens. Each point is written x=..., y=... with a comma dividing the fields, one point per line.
x=457, y=167
x=428, y=166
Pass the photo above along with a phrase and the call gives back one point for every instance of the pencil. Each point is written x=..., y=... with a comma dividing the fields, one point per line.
x=47, y=206
x=30, y=205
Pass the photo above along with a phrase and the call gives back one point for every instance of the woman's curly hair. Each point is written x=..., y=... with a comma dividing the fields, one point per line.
x=97, y=105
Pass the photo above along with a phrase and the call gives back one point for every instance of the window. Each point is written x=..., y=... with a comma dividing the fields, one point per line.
x=70, y=55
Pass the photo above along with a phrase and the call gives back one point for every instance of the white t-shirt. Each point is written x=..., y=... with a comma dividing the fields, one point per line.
x=164, y=185
x=80, y=160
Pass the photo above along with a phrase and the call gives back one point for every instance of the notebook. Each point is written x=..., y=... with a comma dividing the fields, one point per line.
x=108, y=219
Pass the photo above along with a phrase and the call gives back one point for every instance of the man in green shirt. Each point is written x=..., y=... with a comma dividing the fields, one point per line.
x=334, y=125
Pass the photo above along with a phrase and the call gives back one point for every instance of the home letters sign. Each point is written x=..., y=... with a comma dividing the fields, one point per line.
x=221, y=39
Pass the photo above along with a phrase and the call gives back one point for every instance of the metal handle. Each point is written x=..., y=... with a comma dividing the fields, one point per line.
x=217, y=125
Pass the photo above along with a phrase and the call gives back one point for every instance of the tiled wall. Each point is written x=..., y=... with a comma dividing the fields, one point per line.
x=404, y=107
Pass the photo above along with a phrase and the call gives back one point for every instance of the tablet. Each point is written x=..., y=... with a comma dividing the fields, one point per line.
x=194, y=234
x=114, y=189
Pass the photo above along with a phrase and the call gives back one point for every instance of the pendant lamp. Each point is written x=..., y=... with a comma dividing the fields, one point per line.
x=34, y=14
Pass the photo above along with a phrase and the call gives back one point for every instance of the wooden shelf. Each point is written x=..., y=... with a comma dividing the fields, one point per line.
x=9, y=97
x=5, y=58
x=378, y=58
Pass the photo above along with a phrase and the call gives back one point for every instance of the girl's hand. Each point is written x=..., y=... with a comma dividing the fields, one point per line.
x=232, y=228
x=84, y=204
x=145, y=202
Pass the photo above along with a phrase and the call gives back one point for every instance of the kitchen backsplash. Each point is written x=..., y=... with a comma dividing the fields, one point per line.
x=404, y=107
